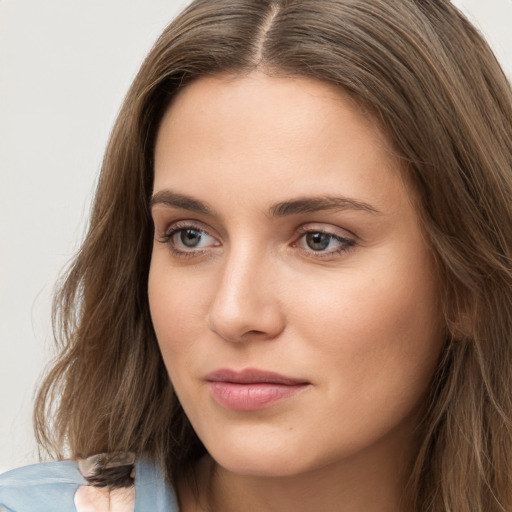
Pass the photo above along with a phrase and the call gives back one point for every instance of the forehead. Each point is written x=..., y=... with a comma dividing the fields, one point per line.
x=274, y=135
x=279, y=104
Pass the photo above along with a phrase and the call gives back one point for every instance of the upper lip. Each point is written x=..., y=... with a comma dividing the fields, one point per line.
x=252, y=376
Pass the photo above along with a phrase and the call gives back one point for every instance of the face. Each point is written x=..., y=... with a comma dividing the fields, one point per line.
x=292, y=293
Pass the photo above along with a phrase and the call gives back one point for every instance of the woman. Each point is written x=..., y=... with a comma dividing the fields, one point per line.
x=295, y=290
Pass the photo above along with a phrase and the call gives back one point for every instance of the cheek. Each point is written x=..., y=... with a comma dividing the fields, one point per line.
x=177, y=305
x=179, y=301
x=377, y=334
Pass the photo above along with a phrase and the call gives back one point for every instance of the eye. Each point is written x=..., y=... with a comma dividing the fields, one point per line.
x=188, y=240
x=323, y=243
x=318, y=241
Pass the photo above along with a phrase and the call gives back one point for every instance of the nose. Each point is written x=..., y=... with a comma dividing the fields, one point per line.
x=246, y=302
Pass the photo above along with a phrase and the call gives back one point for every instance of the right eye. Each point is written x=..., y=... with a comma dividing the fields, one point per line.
x=188, y=239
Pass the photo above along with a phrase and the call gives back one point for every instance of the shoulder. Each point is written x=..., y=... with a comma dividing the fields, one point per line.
x=61, y=487
x=40, y=487
x=152, y=492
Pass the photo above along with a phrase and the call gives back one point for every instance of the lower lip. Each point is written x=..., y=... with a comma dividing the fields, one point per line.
x=252, y=397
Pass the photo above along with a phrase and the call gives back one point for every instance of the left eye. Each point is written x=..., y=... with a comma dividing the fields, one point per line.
x=319, y=241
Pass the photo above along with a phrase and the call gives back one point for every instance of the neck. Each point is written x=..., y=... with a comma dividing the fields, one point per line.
x=372, y=481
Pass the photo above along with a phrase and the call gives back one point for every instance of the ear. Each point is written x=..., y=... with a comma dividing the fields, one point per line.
x=461, y=324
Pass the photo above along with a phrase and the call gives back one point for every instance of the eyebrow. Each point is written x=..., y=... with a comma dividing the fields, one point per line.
x=281, y=209
x=315, y=204
x=168, y=198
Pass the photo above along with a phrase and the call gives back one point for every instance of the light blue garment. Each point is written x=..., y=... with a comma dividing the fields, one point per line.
x=51, y=487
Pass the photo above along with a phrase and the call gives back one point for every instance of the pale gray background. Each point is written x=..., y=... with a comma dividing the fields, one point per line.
x=64, y=68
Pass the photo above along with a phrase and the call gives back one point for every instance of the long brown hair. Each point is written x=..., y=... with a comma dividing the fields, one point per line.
x=431, y=81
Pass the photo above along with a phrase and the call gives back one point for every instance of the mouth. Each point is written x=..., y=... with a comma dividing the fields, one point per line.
x=252, y=389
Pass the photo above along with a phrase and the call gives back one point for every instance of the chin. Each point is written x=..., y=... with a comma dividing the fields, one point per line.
x=265, y=459
x=261, y=467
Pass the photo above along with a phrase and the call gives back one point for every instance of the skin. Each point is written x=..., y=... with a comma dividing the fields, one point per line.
x=358, y=319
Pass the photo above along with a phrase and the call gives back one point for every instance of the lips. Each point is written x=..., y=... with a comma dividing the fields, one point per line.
x=252, y=389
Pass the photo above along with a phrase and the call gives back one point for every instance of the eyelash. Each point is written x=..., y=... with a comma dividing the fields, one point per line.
x=346, y=244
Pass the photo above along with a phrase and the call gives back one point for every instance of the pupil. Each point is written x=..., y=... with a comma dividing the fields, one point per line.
x=318, y=241
x=190, y=237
